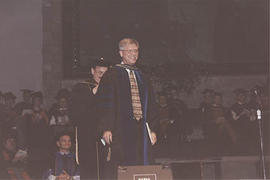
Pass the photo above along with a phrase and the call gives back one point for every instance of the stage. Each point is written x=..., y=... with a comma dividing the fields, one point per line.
x=223, y=167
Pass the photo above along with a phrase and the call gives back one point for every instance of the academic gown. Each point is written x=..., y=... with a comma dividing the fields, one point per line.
x=84, y=114
x=130, y=141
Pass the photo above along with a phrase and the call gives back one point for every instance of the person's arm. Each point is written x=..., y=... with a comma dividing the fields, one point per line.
x=152, y=113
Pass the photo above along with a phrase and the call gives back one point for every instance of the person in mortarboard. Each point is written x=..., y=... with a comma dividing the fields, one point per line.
x=220, y=132
x=172, y=117
x=59, y=113
x=9, y=114
x=126, y=106
x=26, y=103
x=240, y=110
x=207, y=99
x=84, y=115
x=241, y=117
x=33, y=136
x=10, y=99
x=203, y=111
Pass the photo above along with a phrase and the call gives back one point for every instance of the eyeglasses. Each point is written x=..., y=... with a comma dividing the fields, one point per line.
x=131, y=50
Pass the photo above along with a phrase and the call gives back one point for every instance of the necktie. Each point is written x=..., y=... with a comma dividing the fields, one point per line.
x=135, y=97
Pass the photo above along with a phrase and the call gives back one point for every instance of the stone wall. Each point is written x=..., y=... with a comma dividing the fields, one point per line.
x=196, y=18
x=52, y=48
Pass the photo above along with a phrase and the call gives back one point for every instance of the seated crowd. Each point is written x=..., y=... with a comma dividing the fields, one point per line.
x=36, y=143
x=220, y=130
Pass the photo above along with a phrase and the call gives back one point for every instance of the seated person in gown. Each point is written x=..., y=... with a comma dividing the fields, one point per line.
x=63, y=165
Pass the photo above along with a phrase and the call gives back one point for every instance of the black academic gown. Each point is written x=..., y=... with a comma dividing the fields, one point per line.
x=84, y=114
x=131, y=144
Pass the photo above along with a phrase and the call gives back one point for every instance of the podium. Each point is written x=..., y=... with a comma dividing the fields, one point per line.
x=153, y=172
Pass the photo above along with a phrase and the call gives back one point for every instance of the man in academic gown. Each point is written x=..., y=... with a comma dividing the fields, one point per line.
x=84, y=114
x=122, y=128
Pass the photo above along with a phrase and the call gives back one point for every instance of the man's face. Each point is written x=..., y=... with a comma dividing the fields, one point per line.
x=98, y=72
x=62, y=102
x=64, y=143
x=129, y=54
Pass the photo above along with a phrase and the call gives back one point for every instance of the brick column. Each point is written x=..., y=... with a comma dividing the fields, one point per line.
x=52, y=49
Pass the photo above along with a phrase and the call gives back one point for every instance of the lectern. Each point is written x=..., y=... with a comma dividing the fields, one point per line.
x=153, y=172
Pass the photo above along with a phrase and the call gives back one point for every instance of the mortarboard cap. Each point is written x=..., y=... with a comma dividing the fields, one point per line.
x=260, y=89
x=63, y=93
x=217, y=94
x=9, y=95
x=100, y=62
x=27, y=91
x=37, y=94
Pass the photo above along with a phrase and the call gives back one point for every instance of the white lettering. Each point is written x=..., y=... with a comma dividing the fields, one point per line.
x=144, y=178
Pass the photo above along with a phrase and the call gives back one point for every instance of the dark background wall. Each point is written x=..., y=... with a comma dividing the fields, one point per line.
x=33, y=38
x=176, y=30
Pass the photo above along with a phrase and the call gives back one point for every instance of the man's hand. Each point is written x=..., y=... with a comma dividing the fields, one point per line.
x=107, y=136
x=64, y=176
x=154, y=138
x=20, y=155
x=95, y=89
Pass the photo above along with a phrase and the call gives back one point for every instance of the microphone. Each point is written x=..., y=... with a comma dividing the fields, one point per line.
x=259, y=114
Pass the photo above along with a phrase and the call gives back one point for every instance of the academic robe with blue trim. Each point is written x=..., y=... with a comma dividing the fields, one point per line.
x=62, y=162
x=131, y=144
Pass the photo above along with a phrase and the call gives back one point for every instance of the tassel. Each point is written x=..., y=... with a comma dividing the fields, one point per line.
x=76, y=145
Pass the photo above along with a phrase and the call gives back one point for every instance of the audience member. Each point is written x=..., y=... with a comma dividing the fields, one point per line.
x=172, y=113
x=9, y=113
x=12, y=165
x=63, y=165
x=234, y=130
x=33, y=136
x=84, y=112
x=26, y=103
x=221, y=135
x=241, y=120
x=59, y=114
